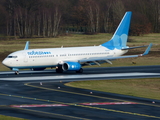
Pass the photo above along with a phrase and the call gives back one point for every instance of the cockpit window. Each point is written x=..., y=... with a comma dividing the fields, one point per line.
x=12, y=57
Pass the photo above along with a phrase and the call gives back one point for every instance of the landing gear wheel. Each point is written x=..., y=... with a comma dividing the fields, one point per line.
x=59, y=69
x=80, y=71
x=16, y=72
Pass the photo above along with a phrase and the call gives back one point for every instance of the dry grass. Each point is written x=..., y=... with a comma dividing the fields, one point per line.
x=147, y=88
x=3, y=117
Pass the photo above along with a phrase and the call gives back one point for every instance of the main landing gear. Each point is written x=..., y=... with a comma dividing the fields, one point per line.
x=60, y=70
x=80, y=71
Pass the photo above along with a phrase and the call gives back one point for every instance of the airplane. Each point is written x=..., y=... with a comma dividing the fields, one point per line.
x=74, y=58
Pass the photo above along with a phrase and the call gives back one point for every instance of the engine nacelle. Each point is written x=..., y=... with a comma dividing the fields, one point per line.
x=71, y=66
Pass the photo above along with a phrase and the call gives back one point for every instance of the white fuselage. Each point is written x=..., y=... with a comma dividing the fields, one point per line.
x=51, y=57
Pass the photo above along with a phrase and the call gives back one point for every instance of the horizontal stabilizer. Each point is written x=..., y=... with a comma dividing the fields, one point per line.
x=134, y=47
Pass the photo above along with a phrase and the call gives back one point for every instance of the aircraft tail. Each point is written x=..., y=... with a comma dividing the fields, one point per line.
x=119, y=39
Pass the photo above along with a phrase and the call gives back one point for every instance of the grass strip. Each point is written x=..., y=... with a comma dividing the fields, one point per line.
x=146, y=88
x=3, y=117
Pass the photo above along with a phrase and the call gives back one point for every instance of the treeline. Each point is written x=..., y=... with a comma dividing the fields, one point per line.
x=49, y=18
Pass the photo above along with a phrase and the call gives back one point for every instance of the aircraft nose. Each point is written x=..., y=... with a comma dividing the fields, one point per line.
x=4, y=62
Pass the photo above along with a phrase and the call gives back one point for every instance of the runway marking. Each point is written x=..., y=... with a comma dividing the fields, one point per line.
x=90, y=95
x=119, y=111
x=90, y=106
x=44, y=105
x=54, y=114
x=78, y=76
x=59, y=105
x=83, y=106
x=109, y=103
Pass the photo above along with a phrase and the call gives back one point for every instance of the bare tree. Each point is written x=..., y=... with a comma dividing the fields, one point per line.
x=97, y=15
x=56, y=21
x=26, y=18
x=155, y=11
x=38, y=19
x=106, y=13
x=92, y=10
x=9, y=5
x=118, y=11
x=44, y=23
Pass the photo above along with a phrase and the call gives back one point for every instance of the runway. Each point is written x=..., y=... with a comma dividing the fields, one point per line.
x=43, y=96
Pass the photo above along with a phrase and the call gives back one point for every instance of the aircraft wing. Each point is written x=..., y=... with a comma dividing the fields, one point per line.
x=113, y=58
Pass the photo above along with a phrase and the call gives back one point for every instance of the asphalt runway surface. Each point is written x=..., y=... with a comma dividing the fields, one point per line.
x=42, y=95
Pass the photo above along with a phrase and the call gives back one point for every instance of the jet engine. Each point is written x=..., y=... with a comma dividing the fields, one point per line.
x=75, y=66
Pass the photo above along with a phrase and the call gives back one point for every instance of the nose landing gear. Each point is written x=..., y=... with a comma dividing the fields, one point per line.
x=16, y=73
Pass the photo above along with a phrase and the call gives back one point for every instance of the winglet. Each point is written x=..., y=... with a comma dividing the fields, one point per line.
x=26, y=46
x=147, y=50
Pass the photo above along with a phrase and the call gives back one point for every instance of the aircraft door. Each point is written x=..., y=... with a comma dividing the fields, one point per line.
x=25, y=57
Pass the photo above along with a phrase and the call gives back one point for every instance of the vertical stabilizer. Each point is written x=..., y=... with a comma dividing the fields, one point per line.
x=119, y=39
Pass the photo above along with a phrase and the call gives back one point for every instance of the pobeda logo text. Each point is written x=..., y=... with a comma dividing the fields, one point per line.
x=38, y=53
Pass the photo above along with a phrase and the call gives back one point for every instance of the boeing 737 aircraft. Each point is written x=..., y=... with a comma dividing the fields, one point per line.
x=74, y=58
